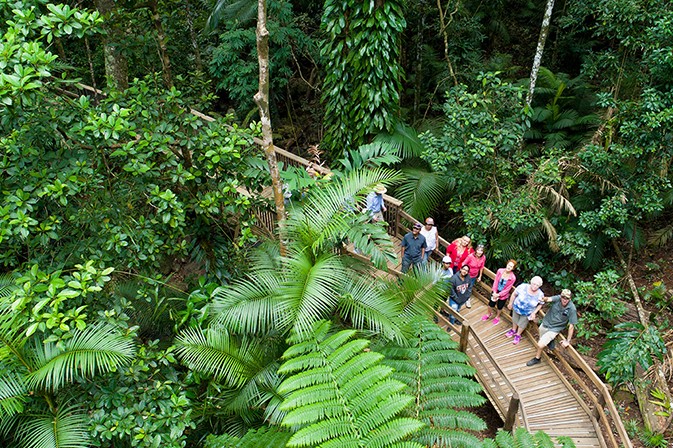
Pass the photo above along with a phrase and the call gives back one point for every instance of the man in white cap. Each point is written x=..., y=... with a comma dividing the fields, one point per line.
x=562, y=313
x=375, y=203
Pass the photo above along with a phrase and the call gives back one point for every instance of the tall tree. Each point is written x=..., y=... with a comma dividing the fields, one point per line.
x=116, y=64
x=262, y=100
x=537, y=60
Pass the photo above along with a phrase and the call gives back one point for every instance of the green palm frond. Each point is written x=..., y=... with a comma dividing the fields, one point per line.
x=364, y=307
x=7, y=285
x=422, y=191
x=229, y=359
x=67, y=429
x=97, y=349
x=371, y=155
x=440, y=380
x=311, y=291
x=251, y=306
x=13, y=395
x=329, y=212
x=660, y=237
x=404, y=140
x=417, y=293
x=372, y=240
x=338, y=394
x=255, y=438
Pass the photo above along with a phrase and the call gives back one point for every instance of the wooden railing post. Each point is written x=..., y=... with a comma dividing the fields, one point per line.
x=464, y=333
x=511, y=412
x=599, y=406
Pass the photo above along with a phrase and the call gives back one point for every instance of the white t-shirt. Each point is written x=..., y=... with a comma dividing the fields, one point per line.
x=430, y=238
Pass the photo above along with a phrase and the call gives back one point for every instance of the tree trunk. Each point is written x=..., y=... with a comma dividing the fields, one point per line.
x=161, y=42
x=442, y=28
x=544, y=31
x=116, y=65
x=262, y=101
x=658, y=381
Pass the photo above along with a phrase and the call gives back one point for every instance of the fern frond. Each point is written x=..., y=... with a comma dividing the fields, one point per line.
x=361, y=401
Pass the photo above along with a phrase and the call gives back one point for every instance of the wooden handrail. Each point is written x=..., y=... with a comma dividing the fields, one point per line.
x=467, y=331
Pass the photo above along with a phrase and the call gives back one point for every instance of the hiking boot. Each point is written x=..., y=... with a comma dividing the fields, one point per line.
x=517, y=339
x=533, y=362
x=510, y=333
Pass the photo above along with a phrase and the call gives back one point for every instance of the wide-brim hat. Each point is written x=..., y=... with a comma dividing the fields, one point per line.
x=380, y=189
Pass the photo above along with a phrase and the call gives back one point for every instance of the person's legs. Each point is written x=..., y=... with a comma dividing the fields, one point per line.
x=406, y=263
x=499, y=306
x=491, y=310
x=456, y=307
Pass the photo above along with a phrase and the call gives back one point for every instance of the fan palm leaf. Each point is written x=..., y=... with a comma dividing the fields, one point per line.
x=311, y=291
x=96, y=349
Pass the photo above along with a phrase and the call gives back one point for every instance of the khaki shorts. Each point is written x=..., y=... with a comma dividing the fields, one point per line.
x=546, y=336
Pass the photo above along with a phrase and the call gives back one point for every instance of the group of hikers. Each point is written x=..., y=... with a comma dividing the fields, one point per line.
x=463, y=266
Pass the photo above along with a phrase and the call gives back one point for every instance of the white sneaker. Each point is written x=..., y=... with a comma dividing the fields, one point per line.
x=469, y=303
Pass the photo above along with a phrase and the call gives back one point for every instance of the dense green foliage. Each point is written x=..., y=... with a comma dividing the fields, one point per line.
x=139, y=309
x=361, y=87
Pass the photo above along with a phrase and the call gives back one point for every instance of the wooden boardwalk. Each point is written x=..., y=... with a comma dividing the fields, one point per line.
x=548, y=401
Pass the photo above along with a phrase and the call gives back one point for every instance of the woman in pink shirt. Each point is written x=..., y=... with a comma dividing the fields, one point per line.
x=502, y=285
x=476, y=261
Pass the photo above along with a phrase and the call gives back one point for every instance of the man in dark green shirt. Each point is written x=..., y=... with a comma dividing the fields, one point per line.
x=562, y=313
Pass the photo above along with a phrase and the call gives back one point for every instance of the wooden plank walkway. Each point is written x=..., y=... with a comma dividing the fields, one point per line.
x=549, y=401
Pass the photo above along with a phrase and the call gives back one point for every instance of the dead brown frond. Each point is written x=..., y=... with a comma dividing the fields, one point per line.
x=559, y=202
x=550, y=230
x=660, y=237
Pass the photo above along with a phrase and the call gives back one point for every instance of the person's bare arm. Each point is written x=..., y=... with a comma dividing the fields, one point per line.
x=571, y=331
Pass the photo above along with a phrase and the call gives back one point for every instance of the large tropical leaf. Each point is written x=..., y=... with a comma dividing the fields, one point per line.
x=251, y=306
x=68, y=428
x=364, y=307
x=340, y=395
x=312, y=289
x=404, y=141
x=13, y=395
x=231, y=360
x=97, y=349
x=422, y=191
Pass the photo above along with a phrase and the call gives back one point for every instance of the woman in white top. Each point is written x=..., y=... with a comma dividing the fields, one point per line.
x=429, y=231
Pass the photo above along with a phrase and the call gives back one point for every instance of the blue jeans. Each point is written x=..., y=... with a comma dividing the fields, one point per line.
x=456, y=307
